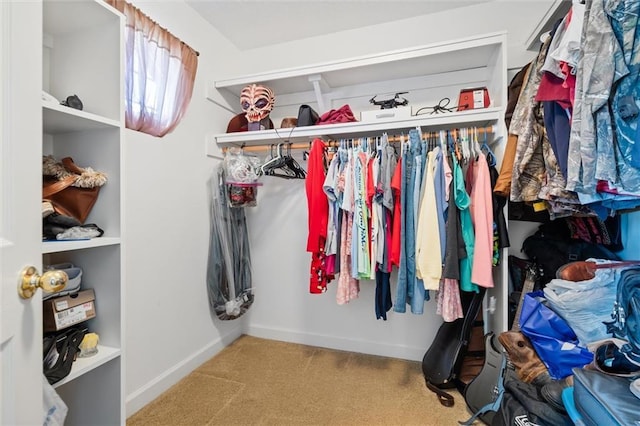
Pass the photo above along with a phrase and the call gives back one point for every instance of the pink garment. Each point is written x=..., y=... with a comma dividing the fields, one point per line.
x=388, y=223
x=340, y=115
x=449, y=304
x=394, y=250
x=330, y=263
x=348, y=287
x=605, y=186
x=482, y=218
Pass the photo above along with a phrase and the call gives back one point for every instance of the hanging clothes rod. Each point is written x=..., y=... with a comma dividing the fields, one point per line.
x=336, y=142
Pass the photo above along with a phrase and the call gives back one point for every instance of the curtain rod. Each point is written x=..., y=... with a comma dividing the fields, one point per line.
x=332, y=142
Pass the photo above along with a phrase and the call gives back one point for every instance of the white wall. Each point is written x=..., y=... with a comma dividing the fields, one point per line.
x=169, y=330
x=285, y=310
x=513, y=16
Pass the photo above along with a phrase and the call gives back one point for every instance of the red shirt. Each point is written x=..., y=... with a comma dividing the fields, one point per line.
x=396, y=184
x=317, y=202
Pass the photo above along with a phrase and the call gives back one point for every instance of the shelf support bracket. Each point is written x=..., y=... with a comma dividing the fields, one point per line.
x=316, y=79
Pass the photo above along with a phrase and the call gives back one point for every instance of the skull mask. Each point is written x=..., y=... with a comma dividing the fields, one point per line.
x=257, y=102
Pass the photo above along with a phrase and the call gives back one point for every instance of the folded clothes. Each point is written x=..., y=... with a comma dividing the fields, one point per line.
x=80, y=232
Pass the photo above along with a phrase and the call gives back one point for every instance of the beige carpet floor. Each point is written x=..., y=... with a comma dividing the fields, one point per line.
x=264, y=382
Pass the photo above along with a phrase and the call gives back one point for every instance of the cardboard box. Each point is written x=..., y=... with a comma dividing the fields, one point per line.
x=386, y=114
x=62, y=312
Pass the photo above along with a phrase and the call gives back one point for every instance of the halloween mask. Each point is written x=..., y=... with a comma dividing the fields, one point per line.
x=257, y=102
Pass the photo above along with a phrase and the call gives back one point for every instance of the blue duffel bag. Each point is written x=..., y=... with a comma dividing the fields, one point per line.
x=626, y=315
x=603, y=399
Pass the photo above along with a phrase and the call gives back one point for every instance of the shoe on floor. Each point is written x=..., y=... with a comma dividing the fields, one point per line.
x=552, y=394
x=577, y=271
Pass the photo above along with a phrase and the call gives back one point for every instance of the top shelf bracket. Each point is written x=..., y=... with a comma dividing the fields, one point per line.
x=318, y=84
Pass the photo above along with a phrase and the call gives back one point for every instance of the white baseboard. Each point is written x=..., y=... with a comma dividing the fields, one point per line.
x=147, y=393
x=339, y=343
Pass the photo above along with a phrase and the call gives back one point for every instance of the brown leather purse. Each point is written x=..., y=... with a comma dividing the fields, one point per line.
x=76, y=193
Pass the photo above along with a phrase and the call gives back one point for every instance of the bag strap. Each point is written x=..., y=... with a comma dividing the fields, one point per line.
x=51, y=188
x=444, y=398
x=68, y=164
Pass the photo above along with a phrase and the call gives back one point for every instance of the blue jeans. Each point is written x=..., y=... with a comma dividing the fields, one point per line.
x=416, y=289
x=409, y=289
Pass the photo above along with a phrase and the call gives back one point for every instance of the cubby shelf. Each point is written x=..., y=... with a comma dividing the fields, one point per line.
x=84, y=365
x=58, y=119
x=69, y=245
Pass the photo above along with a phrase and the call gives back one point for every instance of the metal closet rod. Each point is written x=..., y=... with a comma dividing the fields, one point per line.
x=336, y=143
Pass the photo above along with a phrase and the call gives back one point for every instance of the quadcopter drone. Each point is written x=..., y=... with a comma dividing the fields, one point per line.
x=394, y=102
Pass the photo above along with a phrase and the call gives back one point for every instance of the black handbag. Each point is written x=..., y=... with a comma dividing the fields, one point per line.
x=60, y=351
x=307, y=116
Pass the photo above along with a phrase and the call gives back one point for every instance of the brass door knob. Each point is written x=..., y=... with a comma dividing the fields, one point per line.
x=50, y=281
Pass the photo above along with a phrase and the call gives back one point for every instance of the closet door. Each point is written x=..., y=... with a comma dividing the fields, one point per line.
x=20, y=233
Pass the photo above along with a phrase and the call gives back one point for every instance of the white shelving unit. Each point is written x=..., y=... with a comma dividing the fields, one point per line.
x=83, y=54
x=428, y=73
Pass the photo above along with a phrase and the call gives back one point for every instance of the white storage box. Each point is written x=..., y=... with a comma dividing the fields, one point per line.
x=386, y=114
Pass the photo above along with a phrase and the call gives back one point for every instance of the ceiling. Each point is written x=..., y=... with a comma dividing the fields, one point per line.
x=253, y=24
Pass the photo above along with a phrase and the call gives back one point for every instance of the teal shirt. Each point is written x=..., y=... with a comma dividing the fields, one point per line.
x=463, y=202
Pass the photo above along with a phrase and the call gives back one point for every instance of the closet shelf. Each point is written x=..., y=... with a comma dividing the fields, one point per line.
x=60, y=246
x=467, y=53
x=84, y=365
x=476, y=117
x=58, y=119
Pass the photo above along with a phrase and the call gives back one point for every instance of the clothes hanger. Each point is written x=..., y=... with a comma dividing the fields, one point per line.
x=292, y=165
x=466, y=144
x=305, y=154
x=455, y=144
x=476, y=146
x=274, y=162
x=491, y=158
x=442, y=141
x=286, y=166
